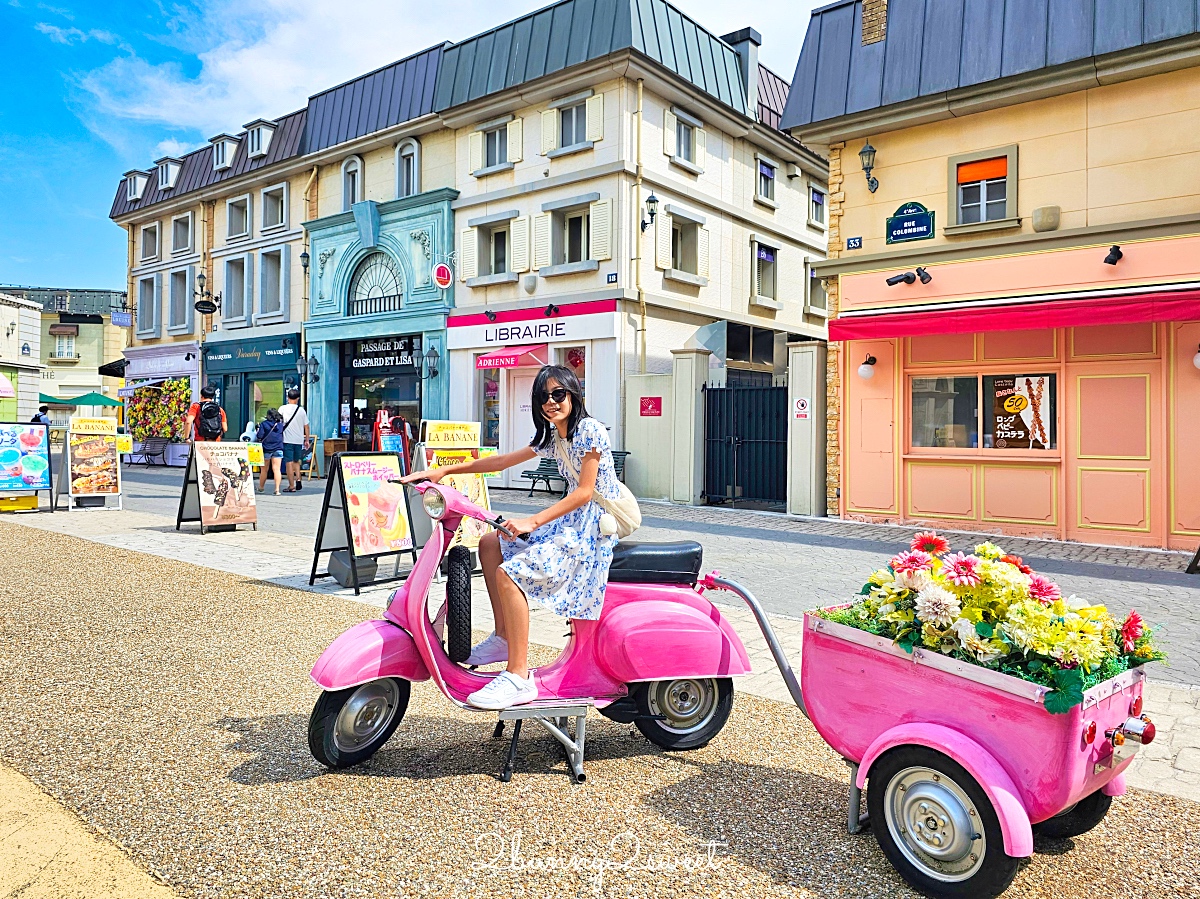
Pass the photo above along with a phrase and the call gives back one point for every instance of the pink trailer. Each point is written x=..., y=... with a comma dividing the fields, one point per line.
x=961, y=763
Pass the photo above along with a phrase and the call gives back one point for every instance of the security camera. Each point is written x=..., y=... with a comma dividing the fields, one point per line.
x=906, y=278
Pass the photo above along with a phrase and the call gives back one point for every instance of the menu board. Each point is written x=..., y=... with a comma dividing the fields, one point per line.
x=92, y=464
x=24, y=457
x=376, y=508
x=226, y=483
x=1021, y=416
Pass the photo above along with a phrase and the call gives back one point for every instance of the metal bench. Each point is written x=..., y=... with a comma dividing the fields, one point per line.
x=546, y=471
x=152, y=448
x=619, y=457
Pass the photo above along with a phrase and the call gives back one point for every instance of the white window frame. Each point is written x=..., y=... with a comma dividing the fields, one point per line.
x=64, y=340
x=812, y=281
x=168, y=173
x=578, y=111
x=188, y=278
x=186, y=248
x=490, y=246
x=772, y=199
x=689, y=143
x=247, y=292
x=773, y=296
x=148, y=306
x=230, y=234
x=500, y=132
x=984, y=202
x=135, y=185
x=143, y=255
x=355, y=163
x=282, y=189
x=283, y=313
x=411, y=149
x=813, y=192
x=224, y=149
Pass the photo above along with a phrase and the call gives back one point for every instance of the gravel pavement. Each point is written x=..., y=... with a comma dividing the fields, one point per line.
x=168, y=707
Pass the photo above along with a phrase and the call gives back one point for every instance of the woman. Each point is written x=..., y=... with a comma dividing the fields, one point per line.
x=563, y=560
x=270, y=435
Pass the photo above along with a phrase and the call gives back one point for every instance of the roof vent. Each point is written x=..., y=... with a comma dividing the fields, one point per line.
x=224, y=146
x=258, y=137
x=135, y=184
x=168, y=171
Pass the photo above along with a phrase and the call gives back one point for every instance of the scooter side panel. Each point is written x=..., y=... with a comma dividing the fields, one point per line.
x=656, y=639
x=367, y=652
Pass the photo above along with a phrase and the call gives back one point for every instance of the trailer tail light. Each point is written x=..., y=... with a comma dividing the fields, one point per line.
x=1139, y=730
x=1089, y=733
x=1135, y=707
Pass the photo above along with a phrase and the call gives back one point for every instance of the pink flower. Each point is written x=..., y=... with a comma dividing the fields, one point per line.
x=912, y=561
x=930, y=542
x=1043, y=589
x=962, y=571
x=1133, y=628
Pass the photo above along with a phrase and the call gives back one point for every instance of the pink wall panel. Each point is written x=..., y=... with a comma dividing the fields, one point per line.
x=870, y=475
x=1039, y=344
x=1018, y=493
x=1185, y=414
x=1114, y=499
x=941, y=490
x=1112, y=340
x=941, y=348
x=1114, y=416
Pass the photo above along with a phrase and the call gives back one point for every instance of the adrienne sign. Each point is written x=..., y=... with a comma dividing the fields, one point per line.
x=578, y=321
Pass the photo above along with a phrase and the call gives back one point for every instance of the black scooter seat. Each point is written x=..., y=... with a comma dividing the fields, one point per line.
x=656, y=563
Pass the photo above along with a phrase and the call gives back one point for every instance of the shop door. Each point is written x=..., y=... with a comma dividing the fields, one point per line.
x=398, y=395
x=745, y=445
x=1113, y=453
x=264, y=394
x=518, y=419
x=231, y=401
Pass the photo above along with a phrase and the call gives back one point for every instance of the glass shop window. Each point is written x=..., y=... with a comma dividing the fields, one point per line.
x=489, y=406
x=945, y=411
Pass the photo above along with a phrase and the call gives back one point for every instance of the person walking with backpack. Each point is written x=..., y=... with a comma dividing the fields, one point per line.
x=295, y=433
x=205, y=419
x=270, y=435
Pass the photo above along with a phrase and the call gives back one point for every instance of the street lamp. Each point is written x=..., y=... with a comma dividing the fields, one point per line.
x=307, y=369
x=867, y=157
x=206, y=302
x=304, y=257
x=651, y=211
x=429, y=363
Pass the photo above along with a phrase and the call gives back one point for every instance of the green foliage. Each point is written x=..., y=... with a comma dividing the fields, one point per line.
x=1068, y=692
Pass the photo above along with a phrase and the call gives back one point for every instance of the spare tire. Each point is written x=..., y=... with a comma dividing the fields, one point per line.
x=458, y=603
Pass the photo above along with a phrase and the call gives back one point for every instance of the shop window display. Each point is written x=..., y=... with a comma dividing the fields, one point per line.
x=575, y=358
x=1017, y=412
x=489, y=412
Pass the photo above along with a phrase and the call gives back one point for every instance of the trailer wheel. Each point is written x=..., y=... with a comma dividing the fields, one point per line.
x=1079, y=818
x=684, y=713
x=348, y=726
x=936, y=825
x=458, y=603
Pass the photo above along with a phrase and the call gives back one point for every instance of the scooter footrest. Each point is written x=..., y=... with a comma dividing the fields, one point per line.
x=547, y=708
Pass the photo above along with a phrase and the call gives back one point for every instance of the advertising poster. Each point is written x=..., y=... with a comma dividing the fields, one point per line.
x=451, y=434
x=254, y=452
x=1021, y=412
x=376, y=508
x=226, y=483
x=24, y=457
x=472, y=486
x=92, y=464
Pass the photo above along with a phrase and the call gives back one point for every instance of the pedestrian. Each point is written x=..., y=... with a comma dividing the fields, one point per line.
x=295, y=434
x=270, y=435
x=42, y=417
x=205, y=419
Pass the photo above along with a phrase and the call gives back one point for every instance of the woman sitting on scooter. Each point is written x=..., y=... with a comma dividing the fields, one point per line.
x=563, y=561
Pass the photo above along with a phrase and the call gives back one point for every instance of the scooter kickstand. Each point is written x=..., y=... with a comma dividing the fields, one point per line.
x=507, y=773
x=499, y=731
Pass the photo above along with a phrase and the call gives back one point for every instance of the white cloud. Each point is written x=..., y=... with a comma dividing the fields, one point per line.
x=266, y=57
x=71, y=36
x=172, y=147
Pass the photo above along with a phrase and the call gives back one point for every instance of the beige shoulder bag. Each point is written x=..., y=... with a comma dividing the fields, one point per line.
x=622, y=516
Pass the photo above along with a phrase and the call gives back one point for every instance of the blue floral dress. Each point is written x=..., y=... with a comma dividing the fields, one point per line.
x=564, y=567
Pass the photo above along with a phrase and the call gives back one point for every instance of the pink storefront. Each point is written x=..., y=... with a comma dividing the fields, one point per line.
x=1045, y=394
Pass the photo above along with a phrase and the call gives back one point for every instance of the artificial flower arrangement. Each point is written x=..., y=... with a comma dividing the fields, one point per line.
x=159, y=411
x=991, y=609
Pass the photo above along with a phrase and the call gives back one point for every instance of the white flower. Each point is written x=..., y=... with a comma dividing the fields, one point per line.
x=937, y=605
x=887, y=608
x=914, y=580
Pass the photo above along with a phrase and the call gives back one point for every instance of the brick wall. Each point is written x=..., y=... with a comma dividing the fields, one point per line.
x=833, y=382
x=874, y=21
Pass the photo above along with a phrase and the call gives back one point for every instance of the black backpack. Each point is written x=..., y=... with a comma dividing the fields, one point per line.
x=209, y=423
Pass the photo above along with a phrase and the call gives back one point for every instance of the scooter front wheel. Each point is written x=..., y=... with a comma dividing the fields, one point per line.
x=348, y=726
x=684, y=713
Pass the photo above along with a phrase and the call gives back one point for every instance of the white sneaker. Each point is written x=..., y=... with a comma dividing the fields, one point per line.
x=503, y=691
x=490, y=650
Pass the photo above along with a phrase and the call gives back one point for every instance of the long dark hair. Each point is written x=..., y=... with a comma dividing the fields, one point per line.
x=567, y=380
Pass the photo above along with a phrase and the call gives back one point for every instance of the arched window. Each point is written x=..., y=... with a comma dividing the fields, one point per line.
x=408, y=168
x=352, y=182
x=377, y=285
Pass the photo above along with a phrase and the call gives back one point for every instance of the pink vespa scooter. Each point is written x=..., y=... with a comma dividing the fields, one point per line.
x=660, y=656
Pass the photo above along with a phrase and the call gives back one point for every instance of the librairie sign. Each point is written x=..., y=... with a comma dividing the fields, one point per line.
x=593, y=320
x=912, y=221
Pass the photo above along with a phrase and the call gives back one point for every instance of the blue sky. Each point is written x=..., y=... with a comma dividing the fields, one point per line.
x=97, y=88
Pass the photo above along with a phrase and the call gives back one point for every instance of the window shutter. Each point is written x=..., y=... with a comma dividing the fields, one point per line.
x=595, y=117
x=549, y=130
x=669, y=128
x=600, y=229
x=755, y=278
x=285, y=282
x=516, y=140
x=475, y=148
x=248, y=297
x=518, y=231
x=467, y=253
x=158, y=303
x=662, y=241
x=702, y=252
x=701, y=144
x=189, y=310
x=541, y=240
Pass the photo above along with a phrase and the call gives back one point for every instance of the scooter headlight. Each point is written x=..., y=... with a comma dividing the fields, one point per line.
x=434, y=503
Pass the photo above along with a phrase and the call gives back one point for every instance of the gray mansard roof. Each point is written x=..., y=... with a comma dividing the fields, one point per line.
x=937, y=46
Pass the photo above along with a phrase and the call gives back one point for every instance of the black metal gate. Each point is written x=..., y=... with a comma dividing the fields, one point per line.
x=745, y=445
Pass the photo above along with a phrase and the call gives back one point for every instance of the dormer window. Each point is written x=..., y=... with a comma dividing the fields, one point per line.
x=135, y=184
x=168, y=172
x=224, y=146
x=258, y=137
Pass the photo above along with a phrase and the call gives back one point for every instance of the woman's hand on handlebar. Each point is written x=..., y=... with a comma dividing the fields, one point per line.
x=434, y=475
x=518, y=527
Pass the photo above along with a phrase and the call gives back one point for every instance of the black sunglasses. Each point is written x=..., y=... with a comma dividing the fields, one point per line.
x=558, y=394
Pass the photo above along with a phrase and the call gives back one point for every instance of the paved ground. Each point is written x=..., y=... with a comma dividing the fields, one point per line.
x=165, y=704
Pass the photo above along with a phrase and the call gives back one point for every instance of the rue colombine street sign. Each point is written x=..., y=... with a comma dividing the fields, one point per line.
x=912, y=221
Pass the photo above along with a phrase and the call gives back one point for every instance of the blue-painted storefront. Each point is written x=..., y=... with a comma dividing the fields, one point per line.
x=375, y=311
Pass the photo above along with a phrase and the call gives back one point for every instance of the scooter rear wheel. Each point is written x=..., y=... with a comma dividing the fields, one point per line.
x=348, y=726
x=684, y=713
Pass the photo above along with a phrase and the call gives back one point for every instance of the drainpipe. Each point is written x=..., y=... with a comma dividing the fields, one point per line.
x=637, y=234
